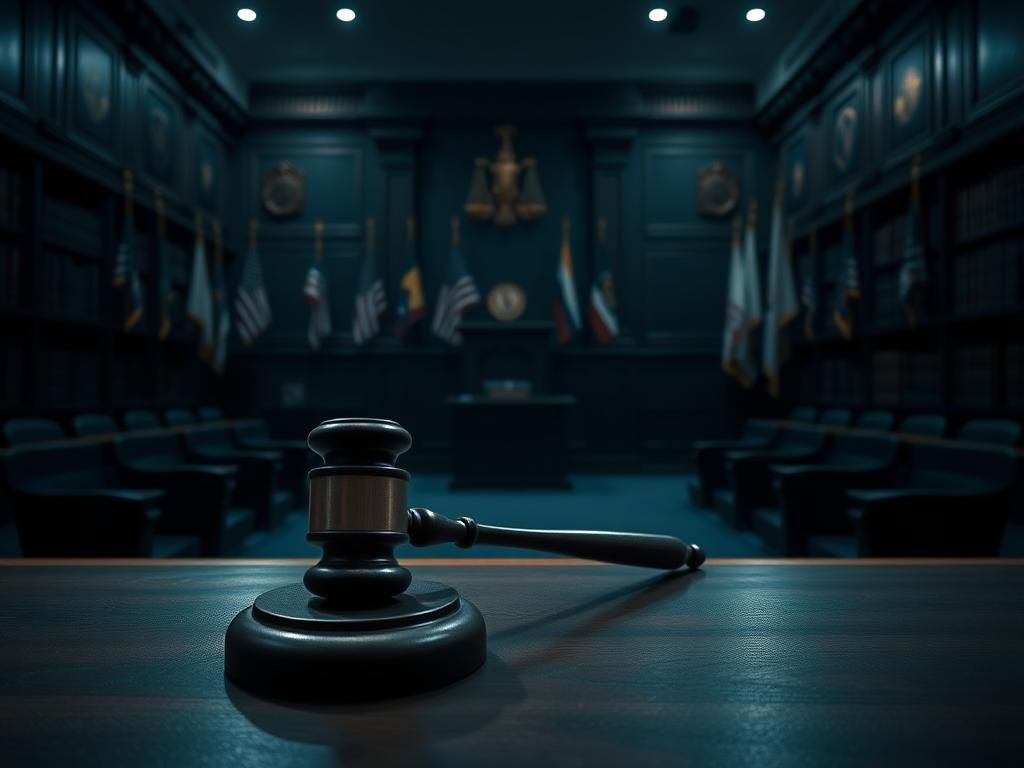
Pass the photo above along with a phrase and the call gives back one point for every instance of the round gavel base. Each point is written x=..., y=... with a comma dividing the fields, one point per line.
x=291, y=644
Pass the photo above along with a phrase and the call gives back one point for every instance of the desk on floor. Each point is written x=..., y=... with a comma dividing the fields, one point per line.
x=747, y=663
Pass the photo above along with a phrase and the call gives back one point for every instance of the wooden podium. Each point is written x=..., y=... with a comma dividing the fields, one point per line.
x=516, y=439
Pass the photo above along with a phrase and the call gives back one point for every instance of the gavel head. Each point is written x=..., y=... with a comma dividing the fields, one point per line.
x=358, y=511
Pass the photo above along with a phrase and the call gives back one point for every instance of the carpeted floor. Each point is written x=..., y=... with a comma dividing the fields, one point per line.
x=639, y=503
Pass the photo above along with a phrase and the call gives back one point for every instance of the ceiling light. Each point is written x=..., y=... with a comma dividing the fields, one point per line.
x=657, y=14
x=247, y=14
x=755, y=14
x=346, y=14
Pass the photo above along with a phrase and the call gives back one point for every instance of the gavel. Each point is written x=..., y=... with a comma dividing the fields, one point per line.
x=358, y=618
x=358, y=514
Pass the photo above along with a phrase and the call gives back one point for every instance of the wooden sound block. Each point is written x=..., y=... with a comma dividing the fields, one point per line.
x=292, y=644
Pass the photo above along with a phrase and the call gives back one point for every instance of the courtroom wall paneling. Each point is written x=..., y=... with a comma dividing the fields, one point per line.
x=93, y=90
x=13, y=56
x=994, y=68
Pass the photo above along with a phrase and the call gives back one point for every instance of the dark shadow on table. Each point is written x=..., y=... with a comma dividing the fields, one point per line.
x=637, y=597
x=399, y=731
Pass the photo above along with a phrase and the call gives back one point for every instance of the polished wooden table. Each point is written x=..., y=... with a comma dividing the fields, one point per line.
x=747, y=663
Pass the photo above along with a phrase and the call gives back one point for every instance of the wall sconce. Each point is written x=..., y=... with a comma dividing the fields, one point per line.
x=503, y=201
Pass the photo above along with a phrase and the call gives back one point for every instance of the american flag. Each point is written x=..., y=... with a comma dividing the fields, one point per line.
x=315, y=292
x=251, y=306
x=370, y=303
x=458, y=295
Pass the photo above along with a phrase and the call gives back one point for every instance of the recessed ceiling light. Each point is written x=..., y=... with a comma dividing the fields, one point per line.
x=346, y=14
x=247, y=14
x=755, y=14
x=657, y=14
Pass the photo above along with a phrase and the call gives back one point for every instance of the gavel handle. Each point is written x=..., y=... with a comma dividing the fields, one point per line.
x=646, y=550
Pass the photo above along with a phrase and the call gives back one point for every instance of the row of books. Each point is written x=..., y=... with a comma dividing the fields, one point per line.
x=842, y=380
x=906, y=378
x=990, y=203
x=889, y=241
x=10, y=199
x=73, y=226
x=10, y=274
x=72, y=286
x=989, y=279
x=70, y=374
x=974, y=376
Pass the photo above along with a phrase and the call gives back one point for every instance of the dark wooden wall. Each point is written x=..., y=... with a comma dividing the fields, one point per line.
x=966, y=354
x=391, y=152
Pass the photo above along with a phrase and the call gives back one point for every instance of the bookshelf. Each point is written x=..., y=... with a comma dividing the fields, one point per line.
x=63, y=348
x=966, y=352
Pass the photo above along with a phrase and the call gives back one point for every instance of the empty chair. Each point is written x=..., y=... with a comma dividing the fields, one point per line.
x=812, y=498
x=750, y=471
x=995, y=431
x=23, y=431
x=297, y=458
x=879, y=420
x=951, y=501
x=198, y=494
x=928, y=425
x=134, y=420
x=709, y=458
x=836, y=417
x=258, y=472
x=67, y=503
x=178, y=417
x=93, y=424
x=210, y=413
x=805, y=414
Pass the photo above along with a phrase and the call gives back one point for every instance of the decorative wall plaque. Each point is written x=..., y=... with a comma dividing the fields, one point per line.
x=718, y=189
x=506, y=302
x=908, y=95
x=284, y=190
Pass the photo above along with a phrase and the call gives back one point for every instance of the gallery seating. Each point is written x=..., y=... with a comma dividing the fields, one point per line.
x=67, y=502
x=178, y=417
x=811, y=498
x=749, y=470
x=804, y=413
x=926, y=425
x=709, y=457
x=138, y=419
x=24, y=431
x=993, y=431
x=210, y=413
x=87, y=424
x=882, y=421
x=204, y=490
x=297, y=458
x=950, y=501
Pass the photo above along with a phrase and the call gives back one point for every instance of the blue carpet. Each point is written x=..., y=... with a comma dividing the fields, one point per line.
x=638, y=503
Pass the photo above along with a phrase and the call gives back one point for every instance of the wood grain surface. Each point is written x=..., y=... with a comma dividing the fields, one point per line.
x=741, y=664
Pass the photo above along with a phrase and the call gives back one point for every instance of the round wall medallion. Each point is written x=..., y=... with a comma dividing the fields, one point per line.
x=284, y=190
x=506, y=301
x=718, y=189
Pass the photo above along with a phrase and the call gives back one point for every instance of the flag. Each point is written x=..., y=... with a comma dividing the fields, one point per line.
x=221, y=311
x=410, y=297
x=252, y=310
x=601, y=310
x=782, y=306
x=848, y=281
x=913, y=271
x=567, y=310
x=458, y=294
x=743, y=303
x=166, y=286
x=199, y=305
x=315, y=292
x=809, y=300
x=126, y=271
x=371, y=301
